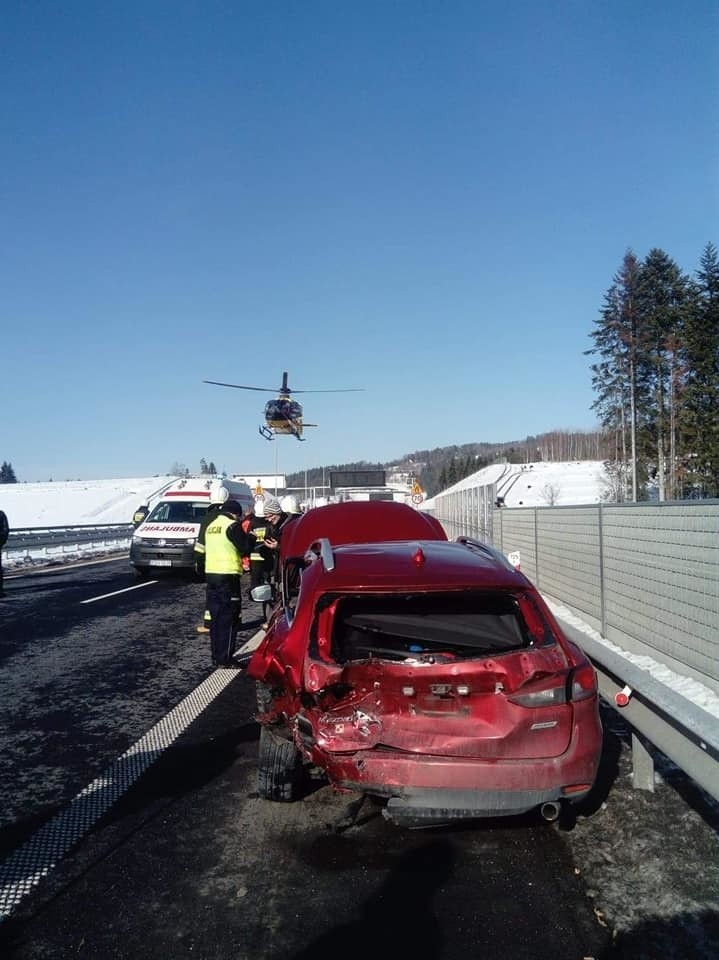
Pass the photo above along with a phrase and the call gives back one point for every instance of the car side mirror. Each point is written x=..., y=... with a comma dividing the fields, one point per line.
x=262, y=594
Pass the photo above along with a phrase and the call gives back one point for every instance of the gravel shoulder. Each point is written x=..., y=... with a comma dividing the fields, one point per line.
x=650, y=861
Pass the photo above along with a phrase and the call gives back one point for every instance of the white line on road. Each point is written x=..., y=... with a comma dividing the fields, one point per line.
x=104, y=596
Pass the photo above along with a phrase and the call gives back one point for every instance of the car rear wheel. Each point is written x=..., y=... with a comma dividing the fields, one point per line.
x=264, y=698
x=279, y=771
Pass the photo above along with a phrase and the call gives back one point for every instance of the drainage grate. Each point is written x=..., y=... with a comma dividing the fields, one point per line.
x=27, y=866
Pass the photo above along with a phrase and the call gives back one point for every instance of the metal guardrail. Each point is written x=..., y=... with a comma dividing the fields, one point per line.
x=680, y=728
x=25, y=540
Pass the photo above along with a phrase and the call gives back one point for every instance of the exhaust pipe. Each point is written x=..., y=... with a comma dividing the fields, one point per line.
x=550, y=810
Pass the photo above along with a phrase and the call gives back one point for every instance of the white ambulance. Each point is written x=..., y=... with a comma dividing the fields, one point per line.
x=166, y=537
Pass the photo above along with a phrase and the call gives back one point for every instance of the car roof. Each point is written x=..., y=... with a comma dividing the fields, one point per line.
x=359, y=521
x=409, y=565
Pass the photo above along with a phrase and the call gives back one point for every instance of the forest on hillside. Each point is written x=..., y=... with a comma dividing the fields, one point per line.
x=440, y=467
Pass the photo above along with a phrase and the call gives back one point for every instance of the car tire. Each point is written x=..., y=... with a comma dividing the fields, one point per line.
x=142, y=571
x=279, y=768
x=264, y=698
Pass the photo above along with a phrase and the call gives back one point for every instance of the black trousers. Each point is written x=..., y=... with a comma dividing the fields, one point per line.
x=224, y=601
x=260, y=572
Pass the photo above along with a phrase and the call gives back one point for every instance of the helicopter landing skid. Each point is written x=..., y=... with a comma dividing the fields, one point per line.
x=265, y=432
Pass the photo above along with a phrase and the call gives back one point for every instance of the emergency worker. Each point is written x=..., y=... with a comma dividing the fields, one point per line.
x=210, y=514
x=261, y=557
x=277, y=518
x=225, y=544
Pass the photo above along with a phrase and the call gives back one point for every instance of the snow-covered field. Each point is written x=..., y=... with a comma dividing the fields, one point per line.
x=537, y=484
x=73, y=502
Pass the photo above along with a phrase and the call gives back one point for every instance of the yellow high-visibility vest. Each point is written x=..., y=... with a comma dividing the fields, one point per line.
x=221, y=555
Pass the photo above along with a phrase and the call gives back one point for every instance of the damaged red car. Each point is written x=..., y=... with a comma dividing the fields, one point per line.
x=427, y=673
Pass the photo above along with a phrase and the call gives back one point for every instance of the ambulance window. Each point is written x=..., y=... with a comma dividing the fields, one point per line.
x=159, y=514
x=181, y=512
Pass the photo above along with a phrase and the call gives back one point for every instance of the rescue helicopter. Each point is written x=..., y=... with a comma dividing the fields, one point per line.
x=283, y=415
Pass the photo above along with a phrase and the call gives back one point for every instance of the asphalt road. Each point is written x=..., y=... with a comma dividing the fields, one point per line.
x=187, y=860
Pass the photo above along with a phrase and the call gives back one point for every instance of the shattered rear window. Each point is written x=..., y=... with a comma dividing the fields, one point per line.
x=448, y=625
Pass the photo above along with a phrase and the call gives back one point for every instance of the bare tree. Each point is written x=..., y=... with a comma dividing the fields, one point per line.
x=550, y=493
x=614, y=489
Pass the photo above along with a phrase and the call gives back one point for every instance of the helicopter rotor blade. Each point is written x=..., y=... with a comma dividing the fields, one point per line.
x=284, y=391
x=240, y=386
x=337, y=390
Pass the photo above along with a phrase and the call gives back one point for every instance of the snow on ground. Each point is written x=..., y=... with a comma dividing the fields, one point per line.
x=537, y=484
x=75, y=502
x=692, y=690
x=555, y=484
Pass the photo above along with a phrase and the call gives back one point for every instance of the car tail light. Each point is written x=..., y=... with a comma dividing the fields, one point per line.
x=582, y=683
x=579, y=685
x=549, y=697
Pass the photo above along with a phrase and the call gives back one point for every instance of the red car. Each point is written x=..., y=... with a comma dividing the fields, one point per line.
x=425, y=672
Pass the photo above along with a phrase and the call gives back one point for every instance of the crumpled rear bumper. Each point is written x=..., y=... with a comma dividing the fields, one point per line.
x=426, y=788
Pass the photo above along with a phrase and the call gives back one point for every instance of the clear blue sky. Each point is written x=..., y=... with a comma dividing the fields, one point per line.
x=424, y=199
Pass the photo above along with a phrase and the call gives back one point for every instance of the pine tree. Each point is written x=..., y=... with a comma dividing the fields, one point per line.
x=621, y=391
x=700, y=423
x=7, y=474
x=664, y=297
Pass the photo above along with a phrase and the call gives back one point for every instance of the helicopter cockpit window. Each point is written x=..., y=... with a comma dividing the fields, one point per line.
x=282, y=410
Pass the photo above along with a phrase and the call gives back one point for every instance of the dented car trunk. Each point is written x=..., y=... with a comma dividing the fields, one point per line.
x=438, y=674
x=429, y=673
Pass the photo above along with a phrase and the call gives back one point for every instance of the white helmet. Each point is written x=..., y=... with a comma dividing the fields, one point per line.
x=259, y=508
x=218, y=492
x=289, y=504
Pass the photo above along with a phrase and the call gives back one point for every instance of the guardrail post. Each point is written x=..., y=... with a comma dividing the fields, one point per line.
x=642, y=765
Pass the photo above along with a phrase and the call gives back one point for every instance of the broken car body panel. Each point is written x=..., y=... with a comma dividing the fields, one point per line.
x=424, y=671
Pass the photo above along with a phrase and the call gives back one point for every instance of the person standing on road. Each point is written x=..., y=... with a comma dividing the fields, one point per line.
x=260, y=558
x=276, y=520
x=225, y=544
x=212, y=511
x=4, y=534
